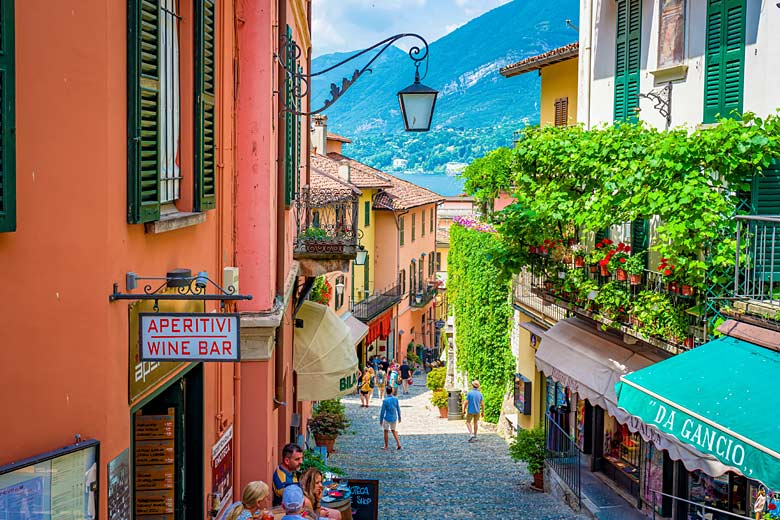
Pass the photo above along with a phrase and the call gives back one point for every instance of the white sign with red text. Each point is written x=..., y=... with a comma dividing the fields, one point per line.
x=189, y=337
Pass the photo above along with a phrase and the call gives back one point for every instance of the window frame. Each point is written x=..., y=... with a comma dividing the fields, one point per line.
x=8, y=217
x=401, y=231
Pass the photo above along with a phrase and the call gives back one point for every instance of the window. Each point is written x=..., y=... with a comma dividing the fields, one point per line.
x=402, y=280
x=422, y=224
x=292, y=125
x=154, y=105
x=431, y=260
x=724, y=59
x=562, y=111
x=339, y=299
x=366, y=279
x=401, y=230
x=420, y=274
x=414, y=225
x=367, y=213
x=7, y=119
x=438, y=261
x=627, y=54
x=412, y=277
x=433, y=217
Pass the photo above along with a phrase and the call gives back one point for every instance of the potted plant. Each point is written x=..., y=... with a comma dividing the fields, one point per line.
x=587, y=293
x=528, y=447
x=321, y=291
x=613, y=300
x=635, y=267
x=668, y=270
x=440, y=399
x=436, y=378
x=326, y=427
x=618, y=260
x=601, y=255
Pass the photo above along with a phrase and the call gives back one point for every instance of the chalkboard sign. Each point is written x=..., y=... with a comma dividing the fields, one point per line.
x=365, y=498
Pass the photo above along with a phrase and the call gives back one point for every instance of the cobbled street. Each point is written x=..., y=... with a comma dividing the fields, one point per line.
x=438, y=474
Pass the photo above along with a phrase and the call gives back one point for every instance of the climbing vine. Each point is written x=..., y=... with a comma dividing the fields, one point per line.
x=482, y=312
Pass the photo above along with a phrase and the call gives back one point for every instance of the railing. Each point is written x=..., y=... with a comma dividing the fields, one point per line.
x=326, y=223
x=702, y=511
x=523, y=292
x=562, y=455
x=422, y=295
x=375, y=304
x=757, y=269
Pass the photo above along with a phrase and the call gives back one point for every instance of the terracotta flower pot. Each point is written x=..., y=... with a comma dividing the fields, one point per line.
x=635, y=279
x=327, y=442
x=579, y=262
x=594, y=268
x=673, y=287
x=689, y=343
x=538, y=484
x=620, y=275
x=687, y=290
x=604, y=270
x=443, y=412
x=548, y=286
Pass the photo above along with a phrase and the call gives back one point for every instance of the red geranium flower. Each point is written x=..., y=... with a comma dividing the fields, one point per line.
x=667, y=272
x=622, y=260
x=599, y=245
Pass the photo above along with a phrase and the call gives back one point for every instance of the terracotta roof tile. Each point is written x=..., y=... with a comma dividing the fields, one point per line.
x=360, y=175
x=337, y=137
x=564, y=53
x=405, y=195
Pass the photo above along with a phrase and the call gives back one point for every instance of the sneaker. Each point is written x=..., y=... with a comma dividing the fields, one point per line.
x=472, y=438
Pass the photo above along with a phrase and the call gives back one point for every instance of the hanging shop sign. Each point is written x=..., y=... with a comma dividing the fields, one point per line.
x=189, y=337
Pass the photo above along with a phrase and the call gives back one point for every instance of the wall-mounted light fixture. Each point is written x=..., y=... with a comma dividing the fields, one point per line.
x=362, y=255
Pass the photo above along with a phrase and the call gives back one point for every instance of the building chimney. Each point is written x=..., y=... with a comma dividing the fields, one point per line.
x=344, y=171
x=319, y=134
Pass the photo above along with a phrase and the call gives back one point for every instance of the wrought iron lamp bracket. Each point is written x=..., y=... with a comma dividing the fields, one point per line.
x=298, y=83
x=185, y=289
x=662, y=101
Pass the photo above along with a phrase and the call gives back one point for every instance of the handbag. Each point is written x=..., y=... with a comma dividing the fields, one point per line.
x=411, y=382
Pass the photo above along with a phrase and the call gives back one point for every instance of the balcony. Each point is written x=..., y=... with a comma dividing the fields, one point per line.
x=649, y=309
x=756, y=289
x=423, y=295
x=327, y=232
x=377, y=303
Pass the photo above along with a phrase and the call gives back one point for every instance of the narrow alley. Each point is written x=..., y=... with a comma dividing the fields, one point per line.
x=438, y=474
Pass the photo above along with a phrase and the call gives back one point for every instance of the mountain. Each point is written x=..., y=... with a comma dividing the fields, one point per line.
x=477, y=108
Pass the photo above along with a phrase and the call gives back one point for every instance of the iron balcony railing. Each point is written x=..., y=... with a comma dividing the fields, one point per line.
x=562, y=455
x=326, y=223
x=374, y=305
x=757, y=269
x=422, y=295
x=523, y=292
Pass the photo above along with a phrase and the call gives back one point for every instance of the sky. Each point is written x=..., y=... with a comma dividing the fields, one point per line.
x=348, y=25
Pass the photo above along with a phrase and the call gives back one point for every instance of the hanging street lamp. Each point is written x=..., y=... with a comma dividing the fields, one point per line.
x=417, y=101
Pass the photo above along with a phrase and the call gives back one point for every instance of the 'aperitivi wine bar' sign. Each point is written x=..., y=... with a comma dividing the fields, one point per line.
x=189, y=337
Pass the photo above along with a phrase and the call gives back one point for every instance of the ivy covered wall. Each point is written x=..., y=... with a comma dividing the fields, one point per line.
x=483, y=315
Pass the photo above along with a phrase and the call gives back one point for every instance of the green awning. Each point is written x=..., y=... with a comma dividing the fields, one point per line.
x=719, y=398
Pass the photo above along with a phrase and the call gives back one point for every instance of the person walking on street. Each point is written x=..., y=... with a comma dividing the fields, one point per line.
x=392, y=379
x=385, y=364
x=365, y=387
x=389, y=416
x=381, y=382
x=473, y=409
x=406, y=375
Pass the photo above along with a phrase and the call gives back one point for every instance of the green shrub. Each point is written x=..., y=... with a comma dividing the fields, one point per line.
x=436, y=378
x=330, y=406
x=440, y=398
x=528, y=447
x=328, y=424
x=312, y=459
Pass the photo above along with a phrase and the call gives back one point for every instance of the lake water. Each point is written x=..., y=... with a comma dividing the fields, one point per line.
x=444, y=185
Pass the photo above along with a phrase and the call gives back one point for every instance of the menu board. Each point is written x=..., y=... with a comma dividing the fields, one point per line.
x=154, y=466
x=119, y=487
x=222, y=469
x=365, y=498
x=60, y=485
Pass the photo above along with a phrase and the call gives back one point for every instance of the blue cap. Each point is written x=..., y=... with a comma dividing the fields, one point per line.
x=292, y=498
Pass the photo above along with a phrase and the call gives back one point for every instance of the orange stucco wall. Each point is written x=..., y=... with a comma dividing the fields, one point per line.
x=64, y=362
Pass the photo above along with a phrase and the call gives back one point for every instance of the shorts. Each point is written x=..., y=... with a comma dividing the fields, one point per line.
x=387, y=425
x=365, y=392
x=472, y=417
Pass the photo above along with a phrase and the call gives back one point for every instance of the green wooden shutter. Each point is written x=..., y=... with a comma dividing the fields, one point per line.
x=765, y=195
x=7, y=119
x=367, y=211
x=366, y=274
x=627, y=58
x=601, y=235
x=290, y=132
x=639, y=237
x=205, y=106
x=724, y=59
x=143, y=107
x=401, y=230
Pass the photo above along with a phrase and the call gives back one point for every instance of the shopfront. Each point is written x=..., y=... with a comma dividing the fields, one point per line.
x=377, y=340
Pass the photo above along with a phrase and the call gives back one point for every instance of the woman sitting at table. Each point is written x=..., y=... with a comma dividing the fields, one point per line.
x=311, y=483
x=254, y=500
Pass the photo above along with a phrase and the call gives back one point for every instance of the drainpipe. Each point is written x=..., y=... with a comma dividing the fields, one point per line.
x=586, y=60
x=281, y=221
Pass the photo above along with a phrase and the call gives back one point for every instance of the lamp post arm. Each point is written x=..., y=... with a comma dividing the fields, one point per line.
x=289, y=47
